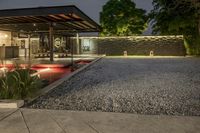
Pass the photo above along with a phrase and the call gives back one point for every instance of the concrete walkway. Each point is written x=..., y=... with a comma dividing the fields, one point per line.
x=51, y=121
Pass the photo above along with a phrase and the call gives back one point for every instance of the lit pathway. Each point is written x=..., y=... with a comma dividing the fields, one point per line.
x=49, y=121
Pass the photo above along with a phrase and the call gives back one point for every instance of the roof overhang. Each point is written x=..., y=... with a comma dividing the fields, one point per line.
x=64, y=19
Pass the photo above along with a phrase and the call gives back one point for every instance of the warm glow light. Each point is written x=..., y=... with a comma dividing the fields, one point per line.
x=3, y=68
x=49, y=66
x=5, y=35
x=41, y=71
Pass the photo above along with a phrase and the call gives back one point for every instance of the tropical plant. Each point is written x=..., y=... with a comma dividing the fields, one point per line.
x=174, y=17
x=122, y=18
x=19, y=84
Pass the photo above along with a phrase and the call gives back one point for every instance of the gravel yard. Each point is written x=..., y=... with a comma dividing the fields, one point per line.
x=169, y=86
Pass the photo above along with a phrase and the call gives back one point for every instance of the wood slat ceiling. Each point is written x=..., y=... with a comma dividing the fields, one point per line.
x=70, y=20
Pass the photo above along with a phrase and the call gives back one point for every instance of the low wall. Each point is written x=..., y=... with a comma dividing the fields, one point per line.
x=137, y=45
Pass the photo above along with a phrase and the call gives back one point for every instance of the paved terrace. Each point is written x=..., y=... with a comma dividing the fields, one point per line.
x=51, y=121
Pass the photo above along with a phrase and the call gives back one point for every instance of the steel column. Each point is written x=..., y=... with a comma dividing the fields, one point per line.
x=72, y=54
x=77, y=44
x=51, y=41
x=29, y=46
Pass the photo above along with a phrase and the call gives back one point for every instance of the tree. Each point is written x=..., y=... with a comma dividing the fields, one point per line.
x=122, y=18
x=178, y=17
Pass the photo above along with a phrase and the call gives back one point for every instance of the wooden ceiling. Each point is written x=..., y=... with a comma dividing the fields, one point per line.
x=64, y=18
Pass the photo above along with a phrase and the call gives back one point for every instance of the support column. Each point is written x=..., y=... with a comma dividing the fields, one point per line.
x=29, y=46
x=12, y=44
x=51, y=41
x=77, y=44
x=72, y=54
x=66, y=42
x=12, y=39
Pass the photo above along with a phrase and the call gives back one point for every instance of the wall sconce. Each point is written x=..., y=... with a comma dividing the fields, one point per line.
x=5, y=35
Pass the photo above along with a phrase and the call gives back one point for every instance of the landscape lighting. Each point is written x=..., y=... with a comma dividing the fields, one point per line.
x=41, y=71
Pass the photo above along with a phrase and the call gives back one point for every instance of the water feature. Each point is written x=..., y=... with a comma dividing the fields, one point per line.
x=47, y=72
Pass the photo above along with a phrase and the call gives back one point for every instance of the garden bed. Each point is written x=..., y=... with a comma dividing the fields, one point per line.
x=23, y=81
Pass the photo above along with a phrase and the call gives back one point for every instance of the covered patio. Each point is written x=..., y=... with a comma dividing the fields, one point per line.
x=51, y=27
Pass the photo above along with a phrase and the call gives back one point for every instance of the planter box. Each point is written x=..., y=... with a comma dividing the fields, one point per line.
x=11, y=103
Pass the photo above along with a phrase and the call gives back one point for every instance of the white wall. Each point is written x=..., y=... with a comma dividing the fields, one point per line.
x=5, y=38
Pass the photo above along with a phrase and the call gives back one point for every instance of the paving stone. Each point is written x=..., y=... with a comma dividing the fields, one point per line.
x=5, y=112
x=39, y=121
x=61, y=121
x=71, y=123
x=103, y=122
x=13, y=124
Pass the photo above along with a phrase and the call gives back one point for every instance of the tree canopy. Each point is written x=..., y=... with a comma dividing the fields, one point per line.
x=122, y=18
x=175, y=17
x=178, y=17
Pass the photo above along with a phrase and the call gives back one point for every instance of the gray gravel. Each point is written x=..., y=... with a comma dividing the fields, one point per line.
x=144, y=86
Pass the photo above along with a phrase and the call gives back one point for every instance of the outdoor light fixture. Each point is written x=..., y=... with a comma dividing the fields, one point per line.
x=54, y=24
x=41, y=71
x=5, y=35
x=3, y=68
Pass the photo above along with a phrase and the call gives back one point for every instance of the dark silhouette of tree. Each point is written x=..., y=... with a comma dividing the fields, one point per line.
x=178, y=17
x=122, y=18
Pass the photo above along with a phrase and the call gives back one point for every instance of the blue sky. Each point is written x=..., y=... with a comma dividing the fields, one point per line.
x=90, y=7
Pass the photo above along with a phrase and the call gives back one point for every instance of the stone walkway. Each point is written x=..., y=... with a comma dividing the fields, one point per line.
x=51, y=121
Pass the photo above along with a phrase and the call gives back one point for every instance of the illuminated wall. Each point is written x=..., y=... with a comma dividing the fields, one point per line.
x=9, y=39
x=88, y=46
x=137, y=45
x=5, y=38
x=23, y=45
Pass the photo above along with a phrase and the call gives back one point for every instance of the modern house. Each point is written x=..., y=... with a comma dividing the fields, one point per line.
x=42, y=31
x=50, y=29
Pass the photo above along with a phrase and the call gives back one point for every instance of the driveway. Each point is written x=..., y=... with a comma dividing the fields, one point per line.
x=152, y=86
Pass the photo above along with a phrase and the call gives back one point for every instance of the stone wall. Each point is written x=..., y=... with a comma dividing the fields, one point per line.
x=138, y=45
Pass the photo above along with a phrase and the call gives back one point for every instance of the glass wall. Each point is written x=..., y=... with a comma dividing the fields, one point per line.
x=39, y=43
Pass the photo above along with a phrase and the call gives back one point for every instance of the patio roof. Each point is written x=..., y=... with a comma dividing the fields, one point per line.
x=64, y=19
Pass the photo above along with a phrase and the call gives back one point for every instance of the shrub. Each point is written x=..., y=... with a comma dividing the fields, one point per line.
x=192, y=45
x=19, y=84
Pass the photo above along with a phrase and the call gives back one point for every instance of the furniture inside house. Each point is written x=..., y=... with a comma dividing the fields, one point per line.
x=9, y=52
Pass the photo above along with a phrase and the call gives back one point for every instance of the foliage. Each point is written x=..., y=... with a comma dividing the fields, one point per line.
x=18, y=84
x=192, y=44
x=178, y=17
x=122, y=18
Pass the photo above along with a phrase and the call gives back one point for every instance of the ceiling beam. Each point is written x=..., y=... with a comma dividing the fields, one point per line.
x=72, y=17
